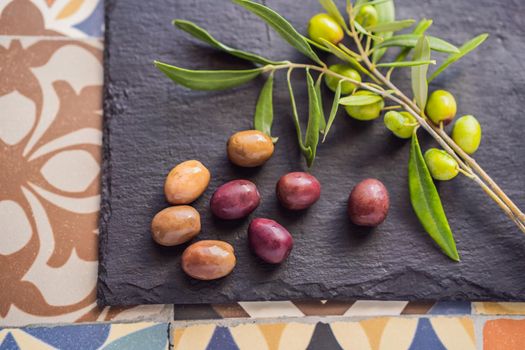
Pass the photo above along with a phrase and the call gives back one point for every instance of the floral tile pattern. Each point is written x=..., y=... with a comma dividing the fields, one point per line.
x=50, y=138
x=373, y=334
x=87, y=337
x=72, y=18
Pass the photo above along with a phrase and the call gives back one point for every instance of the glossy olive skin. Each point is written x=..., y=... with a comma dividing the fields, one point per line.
x=208, y=260
x=441, y=164
x=249, y=148
x=441, y=107
x=175, y=225
x=323, y=26
x=186, y=182
x=467, y=133
x=367, y=16
x=269, y=240
x=368, y=203
x=298, y=190
x=346, y=71
x=401, y=124
x=367, y=112
x=235, y=200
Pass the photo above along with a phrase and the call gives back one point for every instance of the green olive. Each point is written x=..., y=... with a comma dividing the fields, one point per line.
x=441, y=164
x=441, y=107
x=401, y=124
x=322, y=26
x=346, y=71
x=467, y=133
x=366, y=112
x=367, y=16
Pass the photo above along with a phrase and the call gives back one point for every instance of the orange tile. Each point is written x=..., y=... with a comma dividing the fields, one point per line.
x=504, y=334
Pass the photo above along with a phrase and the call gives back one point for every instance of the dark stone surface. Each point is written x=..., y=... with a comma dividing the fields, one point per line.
x=152, y=124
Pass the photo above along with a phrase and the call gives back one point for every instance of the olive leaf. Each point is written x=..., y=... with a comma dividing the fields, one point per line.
x=393, y=26
x=322, y=120
x=342, y=55
x=419, y=73
x=420, y=29
x=463, y=50
x=386, y=12
x=208, y=79
x=281, y=26
x=316, y=44
x=334, y=12
x=410, y=40
x=314, y=116
x=333, y=110
x=359, y=100
x=306, y=151
x=406, y=63
x=363, y=31
x=426, y=202
x=201, y=34
x=263, y=118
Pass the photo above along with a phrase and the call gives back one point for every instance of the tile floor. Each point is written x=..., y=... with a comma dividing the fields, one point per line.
x=51, y=78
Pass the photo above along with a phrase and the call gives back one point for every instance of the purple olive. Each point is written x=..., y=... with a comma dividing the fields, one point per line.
x=269, y=241
x=368, y=203
x=235, y=199
x=298, y=190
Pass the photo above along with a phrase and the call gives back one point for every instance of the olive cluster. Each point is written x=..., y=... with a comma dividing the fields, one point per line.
x=368, y=205
x=440, y=109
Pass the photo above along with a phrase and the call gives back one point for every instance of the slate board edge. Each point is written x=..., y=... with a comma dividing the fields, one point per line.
x=103, y=291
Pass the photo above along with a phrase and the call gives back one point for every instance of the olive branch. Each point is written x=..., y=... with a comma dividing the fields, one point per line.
x=370, y=43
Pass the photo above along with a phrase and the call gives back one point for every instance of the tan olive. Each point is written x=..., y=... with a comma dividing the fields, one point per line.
x=175, y=225
x=249, y=148
x=208, y=260
x=186, y=182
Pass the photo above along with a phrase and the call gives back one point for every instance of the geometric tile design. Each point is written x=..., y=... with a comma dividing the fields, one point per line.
x=498, y=308
x=132, y=336
x=375, y=333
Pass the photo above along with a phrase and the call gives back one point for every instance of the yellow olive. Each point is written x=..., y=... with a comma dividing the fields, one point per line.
x=366, y=112
x=249, y=148
x=346, y=71
x=467, y=133
x=401, y=124
x=208, y=260
x=441, y=107
x=323, y=26
x=441, y=164
x=186, y=182
x=175, y=225
x=367, y=16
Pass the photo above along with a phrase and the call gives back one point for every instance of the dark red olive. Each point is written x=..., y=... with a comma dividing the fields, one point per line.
x=235, y=199
x=298, y=190
x=368, y=203
x=269, y=241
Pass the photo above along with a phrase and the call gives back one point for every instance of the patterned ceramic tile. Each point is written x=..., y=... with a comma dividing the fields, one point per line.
x=73, y=18
x=499, y=308
x=360, y=308
x=373, y=334
x=50, y=121
x=504, y=334
x=86, y=337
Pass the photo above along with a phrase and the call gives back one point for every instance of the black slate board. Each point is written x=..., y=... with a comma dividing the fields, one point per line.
x=151, y=124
